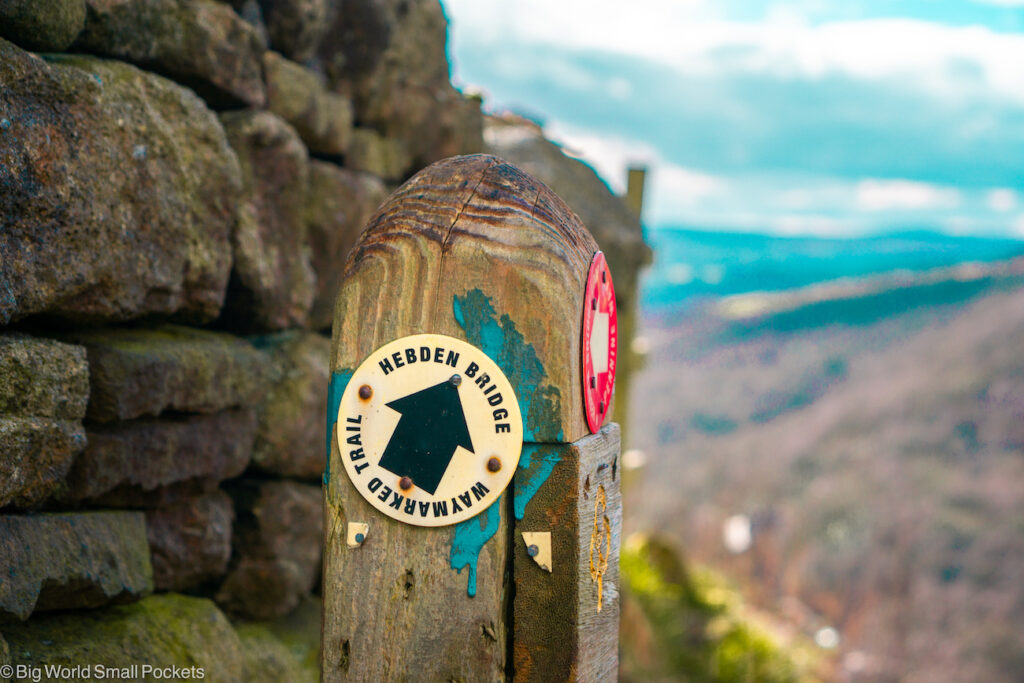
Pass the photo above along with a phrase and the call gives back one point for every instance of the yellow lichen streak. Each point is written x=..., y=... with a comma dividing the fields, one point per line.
x=602, y=532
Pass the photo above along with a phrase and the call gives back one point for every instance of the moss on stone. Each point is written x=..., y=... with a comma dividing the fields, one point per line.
x=267, y=660
x=5, y=656
x=371, y=152
x=292, y=416
x=42, y=25
x=203, y=44
x=298, y=95
x=147, y=371
x=161, y=631
x=42, y=378
x=299, y=630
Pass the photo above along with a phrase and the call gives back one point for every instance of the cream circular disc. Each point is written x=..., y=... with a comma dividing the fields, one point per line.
x=429, y=430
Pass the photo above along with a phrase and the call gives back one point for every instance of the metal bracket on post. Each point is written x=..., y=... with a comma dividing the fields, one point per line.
x=472, y=365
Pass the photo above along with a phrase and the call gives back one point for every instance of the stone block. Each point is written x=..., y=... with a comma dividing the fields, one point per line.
x=202, y=44
x=190, y=542
x=35, y=456
x=339, y=203
x=370, y=152
x=42, y=25
x=290, y=437
x=162, y=632
x=277, y=548
x=120, y=193
x=42, y=378
x=146, y=371
x=322, y=119
x=272, y=281
x=67, y=561
x=148, y=463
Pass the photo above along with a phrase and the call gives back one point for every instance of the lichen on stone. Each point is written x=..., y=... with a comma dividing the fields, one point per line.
x=161, y=631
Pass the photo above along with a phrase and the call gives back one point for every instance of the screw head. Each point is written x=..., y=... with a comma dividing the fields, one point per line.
x=532, y=550
x=360, y=538
x=493, y=465
x=455, y=380
x=405, y=483
x=365, y=392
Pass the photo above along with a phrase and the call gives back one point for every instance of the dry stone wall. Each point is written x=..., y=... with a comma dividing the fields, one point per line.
x=180, y=184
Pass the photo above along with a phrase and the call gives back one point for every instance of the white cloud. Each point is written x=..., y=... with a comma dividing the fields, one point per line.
x=775, y=125
x=812, y=224
x=619, y=88
x=684, y=186
x=1001, y=199
x=958, y=225
x=609, y=156
x=584, y=23
x=691, y=38
x=672, y=190
x=787, y=204
x=888, y=195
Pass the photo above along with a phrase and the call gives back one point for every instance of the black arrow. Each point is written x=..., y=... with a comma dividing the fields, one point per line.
x=432, y=426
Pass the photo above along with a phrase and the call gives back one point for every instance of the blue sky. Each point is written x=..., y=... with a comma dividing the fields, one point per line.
x=806, y=117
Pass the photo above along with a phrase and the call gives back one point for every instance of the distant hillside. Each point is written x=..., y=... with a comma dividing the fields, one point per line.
x=691, y=265
x=684, y=623
x=874, y=439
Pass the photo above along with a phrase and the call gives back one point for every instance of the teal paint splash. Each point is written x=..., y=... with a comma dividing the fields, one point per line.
x=470, y=538
x=540, y=404
x=335, y=390
x=535, y=466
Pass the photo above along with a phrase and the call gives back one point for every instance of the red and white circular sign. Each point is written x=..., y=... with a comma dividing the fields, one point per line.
x=600, y=342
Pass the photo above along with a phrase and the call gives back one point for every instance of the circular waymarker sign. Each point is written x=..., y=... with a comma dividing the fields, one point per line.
x=430, y=430
x=600, y=342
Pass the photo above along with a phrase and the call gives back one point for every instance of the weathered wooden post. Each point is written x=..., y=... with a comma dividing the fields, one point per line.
x=472, y=509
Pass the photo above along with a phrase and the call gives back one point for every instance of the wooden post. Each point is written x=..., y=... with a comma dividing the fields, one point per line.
x=473, y=249
x=635, y=177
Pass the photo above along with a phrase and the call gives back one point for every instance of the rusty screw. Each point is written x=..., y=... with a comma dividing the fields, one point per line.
x=405, y=483
x=532, y=550
x=365, y=392
x=455, y=380
x=493, y=465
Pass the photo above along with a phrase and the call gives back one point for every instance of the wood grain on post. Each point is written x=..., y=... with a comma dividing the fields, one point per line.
x=560, y=632
x=472, y=248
